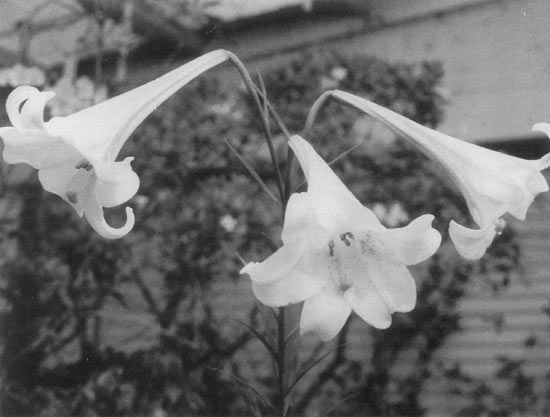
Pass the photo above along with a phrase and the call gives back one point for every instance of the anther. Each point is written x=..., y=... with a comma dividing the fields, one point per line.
x=345, y=237
x=85, y=164
x=331, y=248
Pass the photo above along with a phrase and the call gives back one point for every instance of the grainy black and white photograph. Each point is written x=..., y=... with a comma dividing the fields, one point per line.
x=274, y=208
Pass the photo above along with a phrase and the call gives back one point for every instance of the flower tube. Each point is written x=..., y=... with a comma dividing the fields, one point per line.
x=492, y=183
x=76, y=155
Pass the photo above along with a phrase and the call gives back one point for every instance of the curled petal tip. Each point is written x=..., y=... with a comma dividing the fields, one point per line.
x=98, y=223
x=544, y=162
x=25, y=107
x=471, y=243
x=542, y=127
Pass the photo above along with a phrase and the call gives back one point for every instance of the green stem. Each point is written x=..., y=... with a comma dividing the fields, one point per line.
x=312, y=115
x=281, y=361
x=252, y=90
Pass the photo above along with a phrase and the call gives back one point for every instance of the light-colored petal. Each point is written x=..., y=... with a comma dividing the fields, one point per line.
x=472, y=243
x=297, y=217
x=36, y=148
x=384, y=288
x=277, y=265
x=413, y=243
x=324, y=314
x=335, y=207
x=542, y=127
x=56, y=180
x=25, y=107
x=116, y=183
x=94, y=215
x=492, y=183
x=75, y=186
x=100, y=131
x=292, y=288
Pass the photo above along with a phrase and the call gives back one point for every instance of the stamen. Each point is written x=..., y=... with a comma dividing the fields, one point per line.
x=331, y=248
x=85, y=164
x=345, y=237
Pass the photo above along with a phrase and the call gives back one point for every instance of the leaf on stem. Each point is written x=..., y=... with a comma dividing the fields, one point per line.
x=262, y=339
x=252, y=171
x=275, y=115
x=313, y=364
x=339, y=403
x=245, y=384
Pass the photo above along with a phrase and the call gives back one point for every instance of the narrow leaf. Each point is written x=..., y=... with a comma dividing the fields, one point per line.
x=245, y=384
x=339, y=403
x=252, y=171
x=262, y=339
x=312, y=365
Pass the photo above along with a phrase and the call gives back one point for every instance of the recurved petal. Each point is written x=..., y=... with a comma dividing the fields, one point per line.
x=25, y=107
x=36, y=148
x=94, y=215
x=413, y=243
x=290, y=289
x=116, y=183
x=385, y=288
x=277, y=265
x=473, y=243
x=324, y=314
x=542, y=127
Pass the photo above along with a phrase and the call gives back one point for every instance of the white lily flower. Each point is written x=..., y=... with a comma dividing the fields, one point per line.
x=75, y=155
x=338, y=257
x=492, y=183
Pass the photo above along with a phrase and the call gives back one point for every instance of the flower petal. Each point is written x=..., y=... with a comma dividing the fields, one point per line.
x=492, y=183
x=293, y=288
x=413, y=243
x=324, y=314
x=542, y=127
x=72, y=185
x=116, y=183
x=334, y=205
x=277, y=265
x=100, y=131
x=94, y=215
x=473, y=243
x=56, y=180
x=25, y=107
x=385, y=288
x=297, y=217
x=36, y=148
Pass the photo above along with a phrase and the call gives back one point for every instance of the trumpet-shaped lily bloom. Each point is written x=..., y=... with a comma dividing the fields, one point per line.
x=338, y=257
x=492, y=183
x=76, y=155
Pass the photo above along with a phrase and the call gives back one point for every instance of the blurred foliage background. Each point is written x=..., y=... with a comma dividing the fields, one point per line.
x=146, y=325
